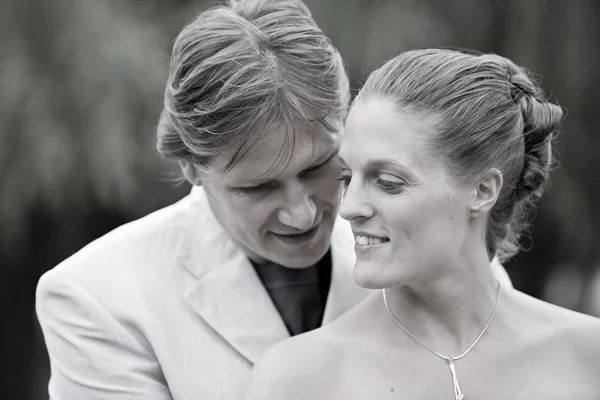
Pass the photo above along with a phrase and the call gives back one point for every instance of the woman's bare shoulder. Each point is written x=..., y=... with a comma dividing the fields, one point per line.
x=579, y=339
x=303, y=367
x=573, y=334
x=294, y=368
x=582, y=332
x=542, y=311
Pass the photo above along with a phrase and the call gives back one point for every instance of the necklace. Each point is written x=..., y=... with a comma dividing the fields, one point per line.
x=458, y=395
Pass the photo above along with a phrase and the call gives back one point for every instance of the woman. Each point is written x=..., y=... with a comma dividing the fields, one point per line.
x=443, y=153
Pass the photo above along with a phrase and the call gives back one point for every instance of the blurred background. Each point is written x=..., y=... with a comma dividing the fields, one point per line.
x=81, y=85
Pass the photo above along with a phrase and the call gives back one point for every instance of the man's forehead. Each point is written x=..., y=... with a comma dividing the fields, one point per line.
x=272, y=159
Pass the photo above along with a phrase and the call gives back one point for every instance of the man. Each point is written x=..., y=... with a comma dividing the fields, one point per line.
x=181, y=303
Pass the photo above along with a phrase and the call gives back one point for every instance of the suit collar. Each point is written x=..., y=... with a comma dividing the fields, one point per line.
x=344, y=293
x=228, y=294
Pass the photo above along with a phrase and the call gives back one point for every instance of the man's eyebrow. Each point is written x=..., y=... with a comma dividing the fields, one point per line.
x=323, y=160
x=265, y=178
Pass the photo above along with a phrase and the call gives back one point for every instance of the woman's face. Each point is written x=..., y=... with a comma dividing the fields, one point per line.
x=408, y=214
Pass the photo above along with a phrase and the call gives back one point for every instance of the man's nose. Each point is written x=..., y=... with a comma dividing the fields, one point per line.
x=299, y=210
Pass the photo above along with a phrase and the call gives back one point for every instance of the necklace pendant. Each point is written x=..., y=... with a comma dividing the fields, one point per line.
x=458, y=395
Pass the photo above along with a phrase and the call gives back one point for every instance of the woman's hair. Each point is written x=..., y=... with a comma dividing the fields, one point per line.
x=246, y=70
x=492, y=114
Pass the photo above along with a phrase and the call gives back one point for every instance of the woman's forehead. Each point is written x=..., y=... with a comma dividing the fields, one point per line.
x=376, y=130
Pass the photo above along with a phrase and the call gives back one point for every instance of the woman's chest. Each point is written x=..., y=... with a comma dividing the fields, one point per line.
x=484, y=376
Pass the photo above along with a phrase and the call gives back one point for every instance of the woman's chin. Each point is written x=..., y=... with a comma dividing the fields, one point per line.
x=368, y=276
x=369, y=279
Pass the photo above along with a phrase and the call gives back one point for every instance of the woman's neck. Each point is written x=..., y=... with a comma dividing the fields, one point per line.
x=447, y=313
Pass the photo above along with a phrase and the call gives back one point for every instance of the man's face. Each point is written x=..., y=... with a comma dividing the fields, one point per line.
x=284, y=217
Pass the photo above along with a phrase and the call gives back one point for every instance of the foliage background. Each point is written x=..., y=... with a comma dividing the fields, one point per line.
x=81, y=86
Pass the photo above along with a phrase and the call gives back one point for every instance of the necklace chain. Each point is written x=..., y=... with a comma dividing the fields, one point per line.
x=447, y=358
x=458, y=395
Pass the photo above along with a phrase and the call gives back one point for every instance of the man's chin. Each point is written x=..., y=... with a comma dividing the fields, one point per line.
x=304, y=260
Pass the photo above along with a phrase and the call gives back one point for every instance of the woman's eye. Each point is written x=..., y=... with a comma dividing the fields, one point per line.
x=390, y=186
x=345, y=179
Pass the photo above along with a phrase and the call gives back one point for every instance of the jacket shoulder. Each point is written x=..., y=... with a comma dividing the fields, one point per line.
x=128, y=258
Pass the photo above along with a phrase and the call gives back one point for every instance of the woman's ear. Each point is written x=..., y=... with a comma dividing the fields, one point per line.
x=486, y=192
x=190, y=173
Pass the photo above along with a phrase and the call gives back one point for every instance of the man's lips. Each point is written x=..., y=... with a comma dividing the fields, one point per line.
x=294, y=232
x=301, y=233
x=298, y=238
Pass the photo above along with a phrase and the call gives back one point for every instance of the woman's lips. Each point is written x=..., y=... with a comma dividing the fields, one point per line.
x=367, y=240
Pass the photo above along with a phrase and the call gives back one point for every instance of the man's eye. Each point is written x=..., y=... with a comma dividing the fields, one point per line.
x=258, y=188
x=315, y=168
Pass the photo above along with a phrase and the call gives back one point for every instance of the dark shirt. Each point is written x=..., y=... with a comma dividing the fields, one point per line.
x=299, y=295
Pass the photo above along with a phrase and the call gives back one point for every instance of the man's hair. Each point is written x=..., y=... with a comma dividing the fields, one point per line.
x=246, y=70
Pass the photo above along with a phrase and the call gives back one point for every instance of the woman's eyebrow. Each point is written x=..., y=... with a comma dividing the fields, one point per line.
x=378, y=163
x=382, y=162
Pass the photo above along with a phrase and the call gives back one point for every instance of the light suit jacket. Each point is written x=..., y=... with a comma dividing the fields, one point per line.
x=168, y=307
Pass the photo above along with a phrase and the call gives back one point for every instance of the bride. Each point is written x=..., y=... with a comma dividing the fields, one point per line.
x=443, y=153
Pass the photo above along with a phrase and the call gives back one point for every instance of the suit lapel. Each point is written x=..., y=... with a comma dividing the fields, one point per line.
x=228, y=294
